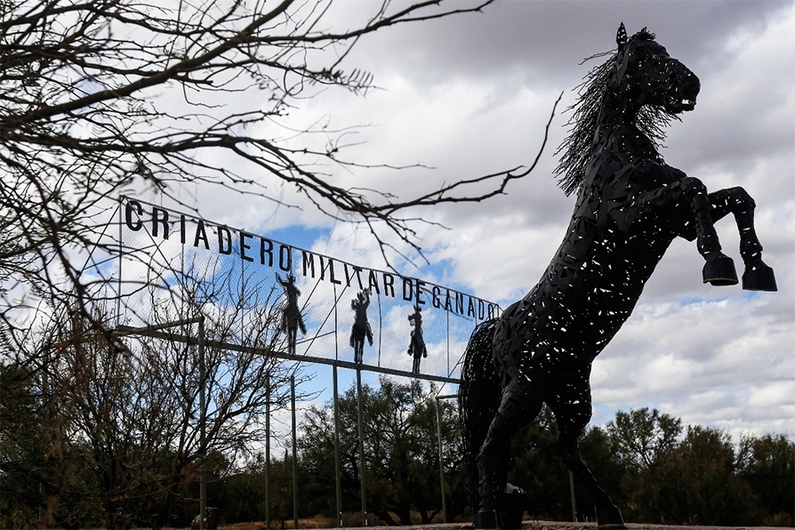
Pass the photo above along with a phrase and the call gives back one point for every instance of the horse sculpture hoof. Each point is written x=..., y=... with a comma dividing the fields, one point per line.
x=511, y=508
x=509, y=512
x=486, y=519
x=720, y=271
x=759, y=277
x=610, y=517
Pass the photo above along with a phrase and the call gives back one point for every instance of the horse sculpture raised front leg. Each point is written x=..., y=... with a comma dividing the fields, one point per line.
x=705, y=209
x=757, y=275
x=630, y=206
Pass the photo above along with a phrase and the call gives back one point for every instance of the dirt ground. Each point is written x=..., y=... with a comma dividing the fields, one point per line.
x=526, y=525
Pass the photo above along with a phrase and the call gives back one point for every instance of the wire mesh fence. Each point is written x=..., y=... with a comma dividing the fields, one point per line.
x=174, y=266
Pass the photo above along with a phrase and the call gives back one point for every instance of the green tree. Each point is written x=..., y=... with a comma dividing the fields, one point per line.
x=242, y=494
x=401, y=451
x=697, y=478
x=117, y=440
x=538, y=469
x=641, y=439
x=25, y=446
x=696, y=483
x=767, y=464
x=642, y=436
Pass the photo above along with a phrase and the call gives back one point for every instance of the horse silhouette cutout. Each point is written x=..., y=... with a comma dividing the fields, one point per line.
x=292, y=320
x=417, y=347
x=630, y=206
x=361, y=329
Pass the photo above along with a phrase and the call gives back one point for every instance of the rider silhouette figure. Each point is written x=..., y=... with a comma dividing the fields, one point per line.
x=417, y=345
x=361, y=327
x=291, y=314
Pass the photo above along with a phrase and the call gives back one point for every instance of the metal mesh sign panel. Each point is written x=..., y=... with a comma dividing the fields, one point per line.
x=327, y=309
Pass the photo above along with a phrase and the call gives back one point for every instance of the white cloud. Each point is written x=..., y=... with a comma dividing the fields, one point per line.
x=471, y=95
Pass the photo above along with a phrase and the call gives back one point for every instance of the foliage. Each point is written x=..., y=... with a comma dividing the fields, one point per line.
x=767, y=465
x=695, y=483
x=690, y=476
x=401, y=451
x=108, y=433
x=698, y=478
x=643, y=437
x=104, y=97
x=659, y=474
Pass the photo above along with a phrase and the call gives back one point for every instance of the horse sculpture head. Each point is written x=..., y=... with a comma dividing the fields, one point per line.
x=639, y=82
x=644, y=74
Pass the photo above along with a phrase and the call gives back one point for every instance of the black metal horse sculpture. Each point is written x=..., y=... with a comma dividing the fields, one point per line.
x=630, y=206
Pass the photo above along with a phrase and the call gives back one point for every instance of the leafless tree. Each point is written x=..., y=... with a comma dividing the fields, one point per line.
x=98, y=96
x=116, y=433
x=102, y=96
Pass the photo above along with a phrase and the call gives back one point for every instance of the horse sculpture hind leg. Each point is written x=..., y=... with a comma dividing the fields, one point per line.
x=521, y=398
x=757, y=276
x=571, y=404
x=520, y=404
x=479, y=398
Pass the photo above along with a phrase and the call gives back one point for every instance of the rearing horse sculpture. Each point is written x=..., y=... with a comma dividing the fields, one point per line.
x=630, y=207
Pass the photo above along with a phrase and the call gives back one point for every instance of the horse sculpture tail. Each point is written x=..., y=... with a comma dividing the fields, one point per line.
x=478, y=397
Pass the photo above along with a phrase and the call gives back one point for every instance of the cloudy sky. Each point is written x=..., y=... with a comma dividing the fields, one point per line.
x=470, y=95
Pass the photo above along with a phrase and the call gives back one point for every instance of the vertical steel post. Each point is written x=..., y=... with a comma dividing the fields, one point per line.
x=447, y=315
x=202, y=423
x=268, y=454
x=573, y=497
x=380, y=327
x=336, y=327
x=441, y=456
x=295, y=457
x=121, y=248
x=338, y=476
x=362, y=480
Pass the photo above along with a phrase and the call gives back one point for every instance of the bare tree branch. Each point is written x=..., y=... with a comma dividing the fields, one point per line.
x=103, y=96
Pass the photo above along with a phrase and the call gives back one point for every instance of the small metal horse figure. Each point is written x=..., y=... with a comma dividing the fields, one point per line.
x=417, y=346
x=292, y=320
x=630, y=207
x=361, y=326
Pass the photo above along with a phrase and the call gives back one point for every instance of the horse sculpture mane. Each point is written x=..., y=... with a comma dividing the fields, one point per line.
x=575, y=150
x=630, y=206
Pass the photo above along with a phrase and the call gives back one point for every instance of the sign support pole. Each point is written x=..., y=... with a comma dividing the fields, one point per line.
x=295, y=456
x=441, y=452
x=362, y=466
x=202, y=423
x=338, y=477
x=268, y=455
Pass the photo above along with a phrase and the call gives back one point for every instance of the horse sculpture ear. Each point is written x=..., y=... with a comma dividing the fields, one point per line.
x=621, y=37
